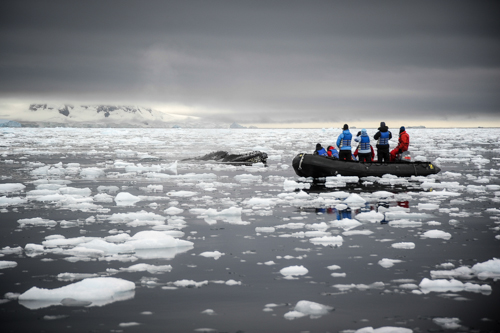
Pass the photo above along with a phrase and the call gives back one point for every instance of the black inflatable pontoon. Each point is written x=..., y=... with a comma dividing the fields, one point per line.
x=309, y=165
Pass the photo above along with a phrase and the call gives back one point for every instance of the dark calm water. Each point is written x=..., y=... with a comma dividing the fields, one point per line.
x=469, y=168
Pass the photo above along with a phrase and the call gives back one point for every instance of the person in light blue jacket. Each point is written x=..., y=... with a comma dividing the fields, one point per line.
x=344, y=144
x=364, y=150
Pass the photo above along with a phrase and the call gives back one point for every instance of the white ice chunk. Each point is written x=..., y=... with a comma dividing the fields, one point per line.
x=386, y=263
x=371, y=216
x=7, y=264
x=307, y=308
x=448, y=323
x=294, y=271
x=154, y=269
x=99, y=291
x=327, y=240
x=173, y=211
x=436, y=234
x=345, y=224
x=212, y=254
x=126, y=199
x=150, y=239
x=441, y=285
x=357, y=232
x=385, y=329
x=11, y=188
x=404, y=245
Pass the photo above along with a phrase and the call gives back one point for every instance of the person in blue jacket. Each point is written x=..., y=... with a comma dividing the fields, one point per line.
x=383, y=136
x=320, y=150
x=344, y=144
x=364, y=149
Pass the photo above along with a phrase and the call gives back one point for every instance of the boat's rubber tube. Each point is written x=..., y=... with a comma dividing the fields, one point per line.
x=308, y=165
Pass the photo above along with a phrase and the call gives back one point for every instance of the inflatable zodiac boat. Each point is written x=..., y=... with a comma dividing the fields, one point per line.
x=309, y=165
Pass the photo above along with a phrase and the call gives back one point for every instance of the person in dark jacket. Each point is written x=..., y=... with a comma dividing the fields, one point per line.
x=383, y=136
x=344, y=144
x=320, y=150
x=403, y=143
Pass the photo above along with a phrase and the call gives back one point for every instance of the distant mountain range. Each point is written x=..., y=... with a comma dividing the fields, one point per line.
x=66, y=115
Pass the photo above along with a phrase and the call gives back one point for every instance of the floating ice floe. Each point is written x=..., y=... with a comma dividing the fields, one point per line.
x=385, y=329
x=248, y=178
x=404, y=245
x=137, y=218
x=354, y=200
x=261, y=202
x=327, y=240
x=307, y=308
x=37, y=222
x=436, y=234
x=405, y=224
x=153, y=269
x=447, y=323
x=442, y=285
x=401, y=215
x=97, y=291
x=173, y=211
x=11, y=188
x=290, y=185
x=183, y=194
x=7, y=264
x=212, y=254
x=91, y=173
x=347, y=287
x=345, y=224
x=487, y=269
x=292, y=271
x=371, y=216
x=126, y=199
x=189, y=283
x=387, y=263
x=265, y=229
x=6, y=201
x=427, y=206
x=357, y=232
x=230, y=215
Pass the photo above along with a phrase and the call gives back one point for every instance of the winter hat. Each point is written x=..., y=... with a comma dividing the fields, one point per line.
x=402, y=129
x=363, y=131
x=382, y=124
x=318, y=146
x=346, y=126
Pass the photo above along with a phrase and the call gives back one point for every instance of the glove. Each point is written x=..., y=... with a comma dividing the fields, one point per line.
x=359, y=133
x=400, y=151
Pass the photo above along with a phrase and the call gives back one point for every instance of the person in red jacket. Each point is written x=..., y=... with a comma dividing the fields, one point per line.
x=403, y=143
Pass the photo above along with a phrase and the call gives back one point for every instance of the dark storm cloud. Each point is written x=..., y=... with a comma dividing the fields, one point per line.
x=261, y=61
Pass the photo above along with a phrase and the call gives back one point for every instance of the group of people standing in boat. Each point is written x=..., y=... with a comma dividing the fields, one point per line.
x=365, y=152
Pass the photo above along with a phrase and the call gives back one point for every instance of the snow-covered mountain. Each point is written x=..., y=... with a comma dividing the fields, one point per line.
x=106, y=116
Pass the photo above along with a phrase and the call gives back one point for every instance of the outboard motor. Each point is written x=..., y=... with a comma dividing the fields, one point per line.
x=405, y=156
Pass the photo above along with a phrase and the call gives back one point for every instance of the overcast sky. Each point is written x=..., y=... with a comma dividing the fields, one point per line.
x=261, y=62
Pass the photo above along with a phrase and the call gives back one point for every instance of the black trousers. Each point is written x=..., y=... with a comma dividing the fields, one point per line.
x=345, y=155
x=383, y=154
x=365, y=157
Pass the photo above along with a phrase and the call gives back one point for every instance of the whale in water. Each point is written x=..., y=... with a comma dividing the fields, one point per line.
x=225, y=157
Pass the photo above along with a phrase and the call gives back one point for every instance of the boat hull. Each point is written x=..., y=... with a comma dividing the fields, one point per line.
x=309, y=165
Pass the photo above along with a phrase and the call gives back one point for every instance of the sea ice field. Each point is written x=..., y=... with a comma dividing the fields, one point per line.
x=113, y=230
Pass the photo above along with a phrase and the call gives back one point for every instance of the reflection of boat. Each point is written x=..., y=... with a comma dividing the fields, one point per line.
x=309, y=165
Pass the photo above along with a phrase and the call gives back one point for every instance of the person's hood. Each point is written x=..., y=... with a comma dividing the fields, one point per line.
x=363, y=132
